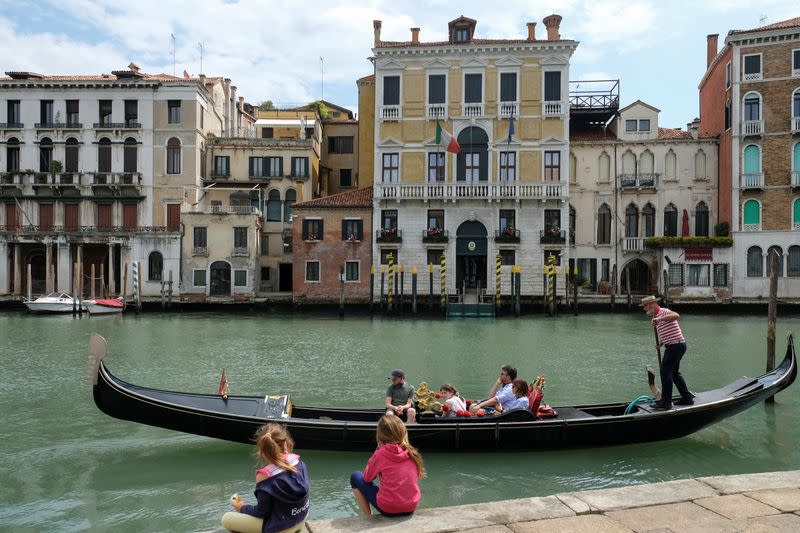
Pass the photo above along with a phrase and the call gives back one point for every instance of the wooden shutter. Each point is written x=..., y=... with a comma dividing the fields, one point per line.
x=391, y=90
x=436, y=89
x=71, y=218
x=129, y=216
x=45, y=216
x=552, y=86
x=473, y=88
x=12, y=216
x=105, y=219
x=173, y=217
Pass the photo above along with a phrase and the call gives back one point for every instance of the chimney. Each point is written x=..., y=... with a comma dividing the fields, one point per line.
x=531, y=31
x=694, y=127
x=414, y=35
x=711, y=48
x=376, y=25
x=552, y=23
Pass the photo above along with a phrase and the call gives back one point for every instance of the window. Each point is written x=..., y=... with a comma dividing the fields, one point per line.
x=552, y=86
x=795, y=62
x=472, y=166
x=155, y=266
x=274, y=206
x=265, y=273
x=174, y=111
x=793, y=262
x=437, y=89
x=13, y=116
x=173, y=156
x=644, y=124
x=631, y=221
x=240, y=278
x=71, y=155
x=267, y=133
x=104, y=155
x=752, y=159
x=12, y=154
x=649, y=217
x=45, y=154
x=389, y=219
x=257, y=167
x=508, y=166
x=775, y=253
x=104, y=112
x=752, y=107
x=755, y=262
x=288, y=202
x=552, y=166
x=752, y=67
x=352, y=229
x=105, y=216
x=508, y=86
x=720, y=275
x=633, y=125
x=675, y=275
x=670, y=221
x=351, y=269
x=131, y=113
x=264, y=244
x=751, y=216
x=46, y=111
x=340, y=145
x=345, y=177
x=436, y=218
x=389, y=253
x=605, y=269
x=604, y=168
x=604, y=225
x=73, y=107
x=697, y=275
x=728, y=75
x=199, y=278
x=473, y=88
x=796, y=104
x=630, y=125
x=200, y=237
x=701, y=220
x=222, y=165
x=300, y=167
x=436, y=166
x=728, y=115
x=508, y=219
x=46, y=216
x=552, y=219
x=391, y=90
x=434, y=256
x=670, y=165
x=312, y=270
x=312, y=229
x=461, y=35
x=796, y=210
x=507, y=257
x=130, y=163
x=240, y=237
x=572, y=224
x=275, y=166
x=391, y=168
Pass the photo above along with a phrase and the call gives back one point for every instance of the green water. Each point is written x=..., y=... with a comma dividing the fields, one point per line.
x=64, y=466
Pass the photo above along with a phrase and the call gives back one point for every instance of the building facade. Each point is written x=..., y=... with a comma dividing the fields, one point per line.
x=503, y=188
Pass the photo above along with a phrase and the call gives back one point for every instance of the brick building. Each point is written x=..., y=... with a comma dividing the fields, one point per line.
x=332, y=236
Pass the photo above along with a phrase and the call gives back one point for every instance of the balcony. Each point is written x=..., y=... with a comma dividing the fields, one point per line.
x=552, y=235
x=542, y=190
x=219, y=209
x=507, y=109
x=390, y=112
x=58, y=126
x=795, y=124
x=508, y=235
x=11, y=178
x=752, y=127
x=751, y=227
x=647, y=180
x=752, y=180
x=389, y=235
x=552, y=109
x=751, y=76
x=129, y=125
x=200, y=250
x=35, y=231
x=11, y=125
x=129, y=178
x=434, y=111
x=240, y=251
x=472, y=110
x=795, y=178
x=220, y=174
x=633, y=244
x=435, y=235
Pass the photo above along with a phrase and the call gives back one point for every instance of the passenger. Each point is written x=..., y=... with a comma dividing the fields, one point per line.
x=281, y=488
x=501, y=393
x=520, y=389
x=400, y=397
x=452, y=400
x=399, y=467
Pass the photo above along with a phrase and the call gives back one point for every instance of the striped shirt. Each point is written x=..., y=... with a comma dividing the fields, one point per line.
x=273, y=470
x=669, y=332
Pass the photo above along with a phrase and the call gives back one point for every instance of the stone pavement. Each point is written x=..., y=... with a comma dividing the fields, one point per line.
x=766, y=502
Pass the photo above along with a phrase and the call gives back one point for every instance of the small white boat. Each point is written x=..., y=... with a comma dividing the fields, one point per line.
x=55, y=302
x=101, y=306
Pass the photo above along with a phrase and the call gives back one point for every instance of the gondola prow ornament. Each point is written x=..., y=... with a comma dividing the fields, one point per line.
x=223, y=386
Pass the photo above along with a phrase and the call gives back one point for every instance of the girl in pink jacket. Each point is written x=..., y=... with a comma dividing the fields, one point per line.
x=398, y=465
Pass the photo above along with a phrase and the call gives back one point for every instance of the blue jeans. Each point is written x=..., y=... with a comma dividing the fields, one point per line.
x=370, y=491
x=670, y=372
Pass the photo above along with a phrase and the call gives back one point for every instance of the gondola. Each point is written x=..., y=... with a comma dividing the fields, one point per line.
x=237, y=417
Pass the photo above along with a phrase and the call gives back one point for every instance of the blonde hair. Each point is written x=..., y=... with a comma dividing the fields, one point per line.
x=272, y=442
x=391, y=430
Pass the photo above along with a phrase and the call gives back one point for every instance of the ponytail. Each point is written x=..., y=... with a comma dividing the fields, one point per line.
x=415, y=456
x=272, y=443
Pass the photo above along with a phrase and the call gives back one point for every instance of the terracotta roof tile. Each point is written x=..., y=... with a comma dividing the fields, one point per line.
x=111, y=77
x=598, y=134
x=673, y=133
x=401, y=44
x=784, y=24
x=356, y=198
x=371, y=77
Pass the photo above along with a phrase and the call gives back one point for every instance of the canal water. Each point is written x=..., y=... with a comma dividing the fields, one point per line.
x=67, y=467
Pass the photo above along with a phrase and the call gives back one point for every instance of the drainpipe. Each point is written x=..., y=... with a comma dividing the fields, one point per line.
x=616, y=236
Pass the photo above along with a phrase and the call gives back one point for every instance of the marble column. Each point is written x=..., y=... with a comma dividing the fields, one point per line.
x=112, y=289
x=64, y=268
x=17, y=269
x=5, y=271
x=48, y=267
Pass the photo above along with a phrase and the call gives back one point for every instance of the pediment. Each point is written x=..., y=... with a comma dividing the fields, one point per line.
x=390, y=141
x=390, y=64
x=474, y=62
x=508, y=61
x=553, y=140
x=437, y=63
x=554, y=60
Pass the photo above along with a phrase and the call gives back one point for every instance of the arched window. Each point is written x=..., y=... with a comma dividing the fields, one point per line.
x=755, y=262
x=670, y=165
x=793, y=262
x=648, y=163
x=130, y=163
x=291, y=197
x=670, y=221
x=573, y=168
x=751, y=177
x=174, y=156
x=472, y=162
x=104, y=155
x=274, y=206
x=572, y=222
x=71, y=148
x=775, y=253
x=12, y=154
x=604, y=167
x=155, y=266
x=796, y=164
x=604, y=225
x=752, y=109
x=751, y=216
x=796, y=214
x=796, y=106
x=700, y=165
x=632, y=221
x=649, y=216
x=701, y=220
x=45, y=154
x=628, y=163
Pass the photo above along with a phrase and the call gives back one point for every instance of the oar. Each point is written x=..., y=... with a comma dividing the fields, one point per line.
x=651, y=374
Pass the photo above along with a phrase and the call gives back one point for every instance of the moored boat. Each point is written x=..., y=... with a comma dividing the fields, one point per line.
x=55, y=302
x=236, y=418
x=105, y=306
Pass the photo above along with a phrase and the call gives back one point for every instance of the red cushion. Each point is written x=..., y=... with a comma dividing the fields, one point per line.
x=534, y=399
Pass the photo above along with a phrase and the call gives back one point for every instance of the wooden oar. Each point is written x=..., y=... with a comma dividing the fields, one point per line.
x=651, y=374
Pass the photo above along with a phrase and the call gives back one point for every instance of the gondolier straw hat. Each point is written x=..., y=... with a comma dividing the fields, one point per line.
x=649, y=300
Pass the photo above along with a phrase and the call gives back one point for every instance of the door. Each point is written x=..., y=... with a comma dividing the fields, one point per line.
x=71, y=218
x=129, y=216
x=12, y=217
x=104, y=216
x=471, y=250
x=220, y=279
x=45, y=217
x=285, y=277
x=173, y=217
x=474, y=272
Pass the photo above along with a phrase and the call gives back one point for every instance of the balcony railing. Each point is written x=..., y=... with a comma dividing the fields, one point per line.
x=552, y=109
x=796, y=72
x=129, y=125
x=58, y=125
x=507, y=235
x=389, y=235
x=11, y=125
x=34, y=230
x=795, y=178
x=552, y=236
x=752, y=180
x=751, y=227
x=752, y=127
x=506, y=109
x=795, y=124
x=220, y=174
x=200, y=250
x=240, y=251
x=633, y=244
x=472, y=110
x=647, y=180
x=435, y=235
x=751, y=76
x=542, y=190
x=226, y=210
x=390, y=112
x=436, y=111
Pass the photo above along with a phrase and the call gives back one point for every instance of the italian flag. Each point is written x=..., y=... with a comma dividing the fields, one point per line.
x=450, y=142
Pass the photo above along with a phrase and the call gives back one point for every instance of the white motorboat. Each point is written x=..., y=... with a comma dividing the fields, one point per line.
x=55, y=302
x=102, y=306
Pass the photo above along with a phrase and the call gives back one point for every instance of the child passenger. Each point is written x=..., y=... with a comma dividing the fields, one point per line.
x=452, y=400
x=520, y=389
x=281, y=488
x=399, y=467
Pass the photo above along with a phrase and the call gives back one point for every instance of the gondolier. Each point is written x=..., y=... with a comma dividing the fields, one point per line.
x=670, y=336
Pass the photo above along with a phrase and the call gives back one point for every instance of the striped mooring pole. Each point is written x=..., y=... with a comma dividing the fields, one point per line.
x=497, y=283
x=390, y=291
x=443, y=293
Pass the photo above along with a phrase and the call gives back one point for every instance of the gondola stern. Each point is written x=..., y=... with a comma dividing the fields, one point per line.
x=96, y=353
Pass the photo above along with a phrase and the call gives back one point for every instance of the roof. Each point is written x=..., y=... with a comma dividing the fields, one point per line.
x=782, y=25
x=673, y=133
x=371, y=77
x=639, y=102
x=402, y=44
x=355, y=198
x=23, y=76
x=595, y=134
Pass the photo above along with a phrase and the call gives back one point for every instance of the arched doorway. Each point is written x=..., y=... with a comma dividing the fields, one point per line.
x=640, y=277
x=38, y=273
x=471, y=255
x=473, y=158
x=220, y=279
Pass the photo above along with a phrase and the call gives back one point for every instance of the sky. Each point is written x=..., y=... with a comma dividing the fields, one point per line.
x=272, y=49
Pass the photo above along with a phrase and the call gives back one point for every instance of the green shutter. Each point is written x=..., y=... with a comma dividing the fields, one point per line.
x=752, y=212
x=796, y=215
x=796, y=158
x=752, y=159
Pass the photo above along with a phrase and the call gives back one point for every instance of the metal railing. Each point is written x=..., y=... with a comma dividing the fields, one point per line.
x=389, y=235
x=751, y=76
x=436, y=111
x=641, y=180
x=33, y=230
x=752, y=127
x=751, y=227
x=390, y=112
x=58, y=125
x=507, y=235
x=472, y=109
x=633, y=244
x=795, y=178
x=752, y=180
x=435, y=235
x=226, y=210
x=129, y=125
x=471, y=190
x=11, y=125
x=552, y=236
x=795, y=124
x=506, y=109
x=552, y=109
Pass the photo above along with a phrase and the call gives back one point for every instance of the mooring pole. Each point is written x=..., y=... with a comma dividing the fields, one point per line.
x=497, y=284
x=371, y=287
x=575, y=290
x=443, y=290
x=391, y=288
x=413, y=290
x=512, y=290
x=613, y=286
x=402, y=287
x=519, y=290
x=383, y=276
x=341, y=291
x=772, y=312
x=430, y=286
x=544, y=288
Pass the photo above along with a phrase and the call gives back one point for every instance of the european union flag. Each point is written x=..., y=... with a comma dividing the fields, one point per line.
x=511, y=126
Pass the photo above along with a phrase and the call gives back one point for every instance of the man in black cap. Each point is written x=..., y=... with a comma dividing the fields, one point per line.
x=400, y=397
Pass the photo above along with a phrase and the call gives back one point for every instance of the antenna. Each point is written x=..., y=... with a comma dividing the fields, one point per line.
x=762, y=19
x=322, y=78
x=173, y=53
x=202, y=48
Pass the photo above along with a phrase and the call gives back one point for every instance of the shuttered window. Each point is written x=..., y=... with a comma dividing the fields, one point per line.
x=436, y=89
x=129, y=216
x=552, y=86
x=508, y=87
x=391, y=90
x=104, y=216
x=473, y=88
x=45, y=216
x=71, y=216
